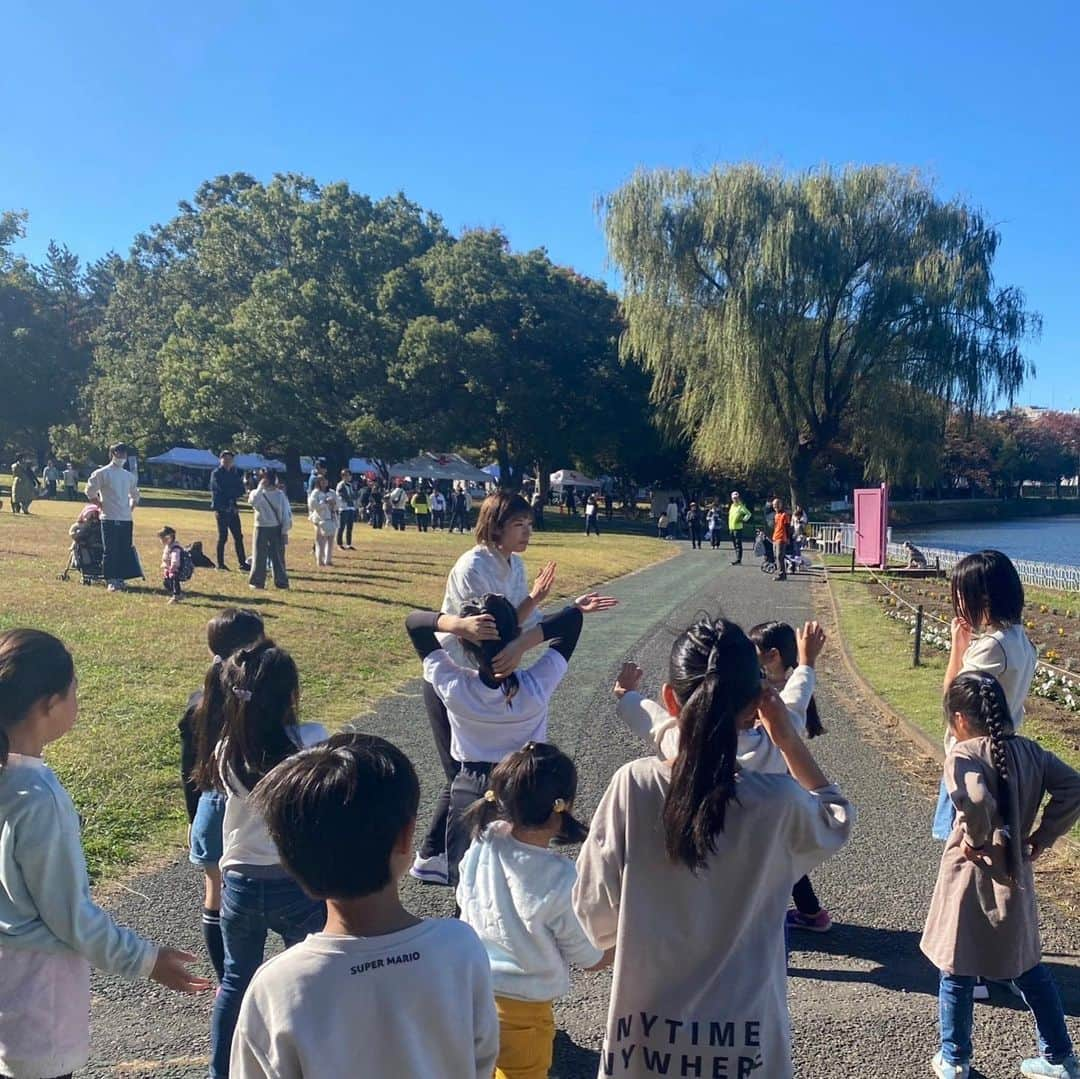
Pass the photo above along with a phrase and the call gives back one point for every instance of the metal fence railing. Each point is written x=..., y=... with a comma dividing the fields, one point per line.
x=840, y=539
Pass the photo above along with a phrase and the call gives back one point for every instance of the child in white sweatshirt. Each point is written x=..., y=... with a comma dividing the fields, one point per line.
x=516, y=893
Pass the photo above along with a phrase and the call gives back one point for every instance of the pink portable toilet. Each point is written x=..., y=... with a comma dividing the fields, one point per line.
x=871, y=525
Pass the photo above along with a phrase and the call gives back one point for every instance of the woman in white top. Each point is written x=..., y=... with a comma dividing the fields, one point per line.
x=273, y=520
x=687, y=871
x=262, y=693
x=988, y=636
x=323, y=514
x=494, y=565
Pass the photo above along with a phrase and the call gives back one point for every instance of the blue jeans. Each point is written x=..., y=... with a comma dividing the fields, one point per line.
x=251, y=907
x=1037, y=987
x=944, y=815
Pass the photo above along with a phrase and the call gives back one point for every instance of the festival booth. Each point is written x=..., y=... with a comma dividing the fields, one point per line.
x=252, y=462
x=177, y=464
x=568, y=477
x=439, y=466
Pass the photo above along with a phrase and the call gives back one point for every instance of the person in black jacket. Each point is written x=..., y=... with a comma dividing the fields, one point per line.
x=226, y=489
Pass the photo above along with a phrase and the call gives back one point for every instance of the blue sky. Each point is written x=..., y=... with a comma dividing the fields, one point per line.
x=519, y=116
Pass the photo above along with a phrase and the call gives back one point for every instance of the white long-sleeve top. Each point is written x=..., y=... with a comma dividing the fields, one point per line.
x=413, y=1003
x=116, y=489
x=756, y=753
x=518, y=899
x=272, y=509
x=700, y=979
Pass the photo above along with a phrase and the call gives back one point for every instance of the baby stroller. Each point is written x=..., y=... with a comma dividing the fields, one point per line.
x=87, y=552
x=763, y=549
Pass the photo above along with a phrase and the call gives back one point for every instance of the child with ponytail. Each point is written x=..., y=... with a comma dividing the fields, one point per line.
x=516, y=893
x=200, y=730
x=261, y=688
x=984, y=919
x=688, y=867
x=51, y=931
x=987, y=635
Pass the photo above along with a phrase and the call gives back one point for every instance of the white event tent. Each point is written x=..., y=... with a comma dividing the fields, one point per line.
x=568, y=477
x=439, y=466
x=186, y=457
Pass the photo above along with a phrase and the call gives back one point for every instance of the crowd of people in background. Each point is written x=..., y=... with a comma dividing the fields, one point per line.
x=308, y=835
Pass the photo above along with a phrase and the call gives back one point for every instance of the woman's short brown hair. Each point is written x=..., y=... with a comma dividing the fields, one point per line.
x=496, y=511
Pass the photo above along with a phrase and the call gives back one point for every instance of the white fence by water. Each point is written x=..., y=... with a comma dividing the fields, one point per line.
x=840, y=539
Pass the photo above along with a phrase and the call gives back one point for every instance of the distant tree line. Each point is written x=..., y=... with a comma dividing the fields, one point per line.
x=811, y=330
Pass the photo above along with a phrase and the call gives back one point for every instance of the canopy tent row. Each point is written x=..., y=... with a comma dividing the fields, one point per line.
x=204, y=460
x=439, y=466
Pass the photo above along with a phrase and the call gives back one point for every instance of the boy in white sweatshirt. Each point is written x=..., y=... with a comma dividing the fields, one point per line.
x=379, y=991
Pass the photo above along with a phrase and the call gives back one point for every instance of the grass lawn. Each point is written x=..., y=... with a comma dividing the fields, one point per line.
x=881, y=648
x=139, y=659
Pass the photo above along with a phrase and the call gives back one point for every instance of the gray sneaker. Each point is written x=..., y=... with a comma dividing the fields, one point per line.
x=1069, y=1068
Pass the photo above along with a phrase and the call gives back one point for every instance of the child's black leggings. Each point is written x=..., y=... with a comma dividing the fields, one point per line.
x=806, y=902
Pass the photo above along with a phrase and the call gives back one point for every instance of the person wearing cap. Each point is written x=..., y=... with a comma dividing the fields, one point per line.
x=115, y=491
x=226, y=489
x=738, y=515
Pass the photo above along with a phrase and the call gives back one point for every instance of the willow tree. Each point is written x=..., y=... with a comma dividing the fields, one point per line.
x=775, y=312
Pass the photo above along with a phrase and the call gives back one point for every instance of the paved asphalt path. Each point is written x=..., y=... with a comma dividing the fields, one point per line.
x=863, y=999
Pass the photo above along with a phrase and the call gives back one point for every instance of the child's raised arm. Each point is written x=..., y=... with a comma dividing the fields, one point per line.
x=1062, y=811
x=422, y=626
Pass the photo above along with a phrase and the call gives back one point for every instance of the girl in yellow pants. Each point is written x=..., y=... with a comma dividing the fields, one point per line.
x=515, y=893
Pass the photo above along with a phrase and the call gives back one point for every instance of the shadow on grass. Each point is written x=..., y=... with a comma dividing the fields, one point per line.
x=375, y=577
x=385, y=601
x=901, y=967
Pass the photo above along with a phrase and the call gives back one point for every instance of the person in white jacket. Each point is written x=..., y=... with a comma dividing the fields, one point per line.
x=323, y=514
x=273, y=521
x=687, y=869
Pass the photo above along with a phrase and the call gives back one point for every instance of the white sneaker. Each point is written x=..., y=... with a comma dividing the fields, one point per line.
x=433, y=870
x=943, y=1070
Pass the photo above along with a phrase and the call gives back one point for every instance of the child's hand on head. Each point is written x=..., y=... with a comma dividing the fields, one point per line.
x=171, y=970
x=506, y=662
x=545, y=581
x=961, y=632
x=810, y=640
x=628, y=680
x=773, y=715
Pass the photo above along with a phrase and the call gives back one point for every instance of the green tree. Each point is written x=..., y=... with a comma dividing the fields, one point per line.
x=252, y=317
x=768, y=308
x=507, y=352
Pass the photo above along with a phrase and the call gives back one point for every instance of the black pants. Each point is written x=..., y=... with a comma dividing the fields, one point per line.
x=345, y=526
x=714, y=537
x=438, y=519
x=458, y=520
x=435, y=840
x=229, y=521
x=72, y=493
x=538, y=520
x=468, y=786
x=736, y=542
x=397, y=519
x=376, y=516
x=780, y=547
x=591, y=524
x=806, y=902
x=172, y=586
x=422, y=521
x=119, y=560
x=695, y=536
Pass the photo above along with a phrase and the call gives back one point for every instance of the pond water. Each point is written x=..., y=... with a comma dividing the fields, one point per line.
x=1043, y=539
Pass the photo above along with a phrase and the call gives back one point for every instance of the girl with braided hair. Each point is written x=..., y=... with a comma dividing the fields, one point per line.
x=984, y=920
x=688, y=866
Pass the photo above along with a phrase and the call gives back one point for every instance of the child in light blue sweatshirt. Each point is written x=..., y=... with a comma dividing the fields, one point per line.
x=51, y=931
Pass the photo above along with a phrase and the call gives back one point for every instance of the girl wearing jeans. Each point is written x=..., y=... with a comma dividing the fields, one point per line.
x=262, y=690
x=984, y=919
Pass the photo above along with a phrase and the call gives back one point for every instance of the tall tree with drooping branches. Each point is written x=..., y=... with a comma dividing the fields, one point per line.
x=772, y=308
